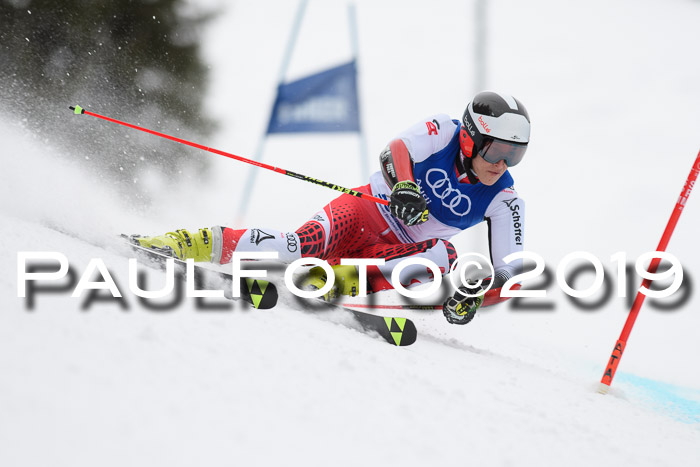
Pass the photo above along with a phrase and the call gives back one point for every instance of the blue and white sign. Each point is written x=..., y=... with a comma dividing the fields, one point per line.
x=323, y=102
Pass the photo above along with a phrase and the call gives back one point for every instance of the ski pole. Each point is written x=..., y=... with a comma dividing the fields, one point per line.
x=616, y=355
x=81, y=111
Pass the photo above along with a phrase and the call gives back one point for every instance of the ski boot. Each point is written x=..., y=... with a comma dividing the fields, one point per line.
x=347, y=281
x=179, y=244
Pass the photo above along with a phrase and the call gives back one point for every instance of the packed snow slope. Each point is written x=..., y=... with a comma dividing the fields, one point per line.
x=115, y=383
x=612, y=93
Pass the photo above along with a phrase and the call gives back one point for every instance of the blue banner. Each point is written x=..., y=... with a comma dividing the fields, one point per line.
x=323, y=102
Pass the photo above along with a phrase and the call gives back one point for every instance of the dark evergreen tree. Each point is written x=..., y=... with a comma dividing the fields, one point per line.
x=136, y=60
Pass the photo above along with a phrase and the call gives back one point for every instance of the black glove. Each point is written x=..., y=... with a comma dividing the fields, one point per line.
x=408, y=204
x=460, y=309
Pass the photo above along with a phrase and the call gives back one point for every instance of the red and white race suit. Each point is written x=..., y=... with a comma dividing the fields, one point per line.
x=350, y=227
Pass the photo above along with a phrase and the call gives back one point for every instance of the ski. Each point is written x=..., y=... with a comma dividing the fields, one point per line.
x=260, y=293
x=397, y=331
x=263, y=294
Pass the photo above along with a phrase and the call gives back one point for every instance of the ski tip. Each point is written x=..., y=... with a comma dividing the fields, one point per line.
x=409, y=333
x=262, y=294
x=399, y=331
x=130, y=239
x=77, y=109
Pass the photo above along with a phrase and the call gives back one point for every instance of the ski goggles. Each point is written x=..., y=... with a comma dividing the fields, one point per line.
x=495, y=150
x=491, y=149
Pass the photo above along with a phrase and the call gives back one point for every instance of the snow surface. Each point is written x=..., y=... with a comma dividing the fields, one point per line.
x=612, y=92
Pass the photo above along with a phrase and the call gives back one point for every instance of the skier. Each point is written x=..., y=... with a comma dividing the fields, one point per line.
x=441, y=176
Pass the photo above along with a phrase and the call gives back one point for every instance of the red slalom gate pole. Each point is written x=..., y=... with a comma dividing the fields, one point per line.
x=616, y=355
x=81, y=111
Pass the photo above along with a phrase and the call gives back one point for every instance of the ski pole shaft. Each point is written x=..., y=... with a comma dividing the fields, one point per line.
x=616, y=355
x=81, y=111
x=369, y=306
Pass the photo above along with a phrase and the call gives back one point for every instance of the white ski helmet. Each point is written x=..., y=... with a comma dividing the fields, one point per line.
x=495, y=126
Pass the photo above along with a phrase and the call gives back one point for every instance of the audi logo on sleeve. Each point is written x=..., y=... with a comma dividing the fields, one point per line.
x=440, y=186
